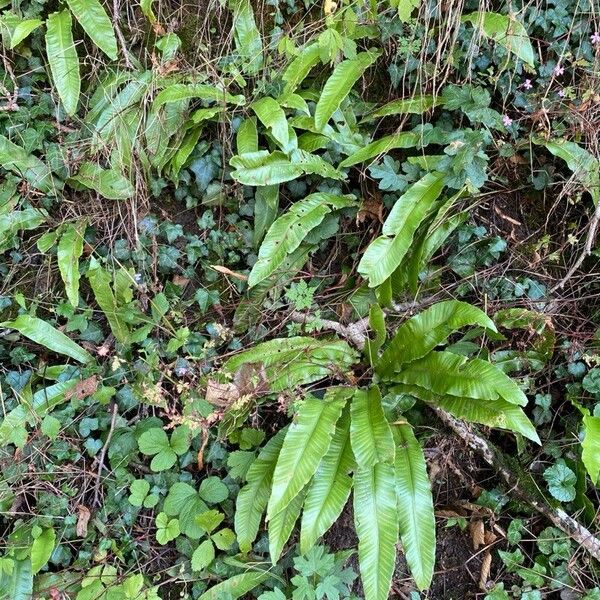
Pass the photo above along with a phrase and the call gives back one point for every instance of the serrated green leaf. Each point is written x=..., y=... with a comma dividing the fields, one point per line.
x=95, y=22
x=445, y=373
x=416, y=516
x=386, y=253
x=44, y=334
x=253, y=497
x=70, y=248
x=63, y=59
x=506, y=31
x=370, y=433
x=376, y=523
x=330, y=487
x=306, y=442
x=288, y=231
x=339, y=84
x=203, y=555
x=213, y=490
x=420, y=334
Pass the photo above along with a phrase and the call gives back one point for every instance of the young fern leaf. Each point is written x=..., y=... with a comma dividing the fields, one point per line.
x=63, y=59
x=330, y=487
x=376, y=523
x=419, y=335
x=370, y=433
x=95, y=22
x=282, y=525
x=253, y=497
x=70, y=248
x=445, y=373
x=416, y=516
x=339, y=84
x=289, y=230
x=385, y=254
x=306, y=442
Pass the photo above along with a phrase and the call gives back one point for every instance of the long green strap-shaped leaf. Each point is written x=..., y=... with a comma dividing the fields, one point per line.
x=376, y=523
x=447, y=373
x=63, y=59
x=272, y=116
x=282, y=525
x=422, y=333
x=236, y=586
x=246, y=35
x=339, y=84
x=416, y=517
x=300, y=67
x=385, y=254
x=70, y=248
x=591, y=447
x=246, y=139
x=370, y=433
x=288, y=231
x=100, y=280
x=44, y=334
x=254, y=496
x=96, y=23
x=330, y=487
x=405, y=139
x=14, y=158
x=305, y=444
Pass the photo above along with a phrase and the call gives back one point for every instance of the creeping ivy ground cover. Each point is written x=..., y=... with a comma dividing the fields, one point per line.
x=299, y=301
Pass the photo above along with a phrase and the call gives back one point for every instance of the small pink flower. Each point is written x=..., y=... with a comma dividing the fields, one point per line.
x=561, y=93
x=595, y=38
x=558, y=70
x=507, y=121
x=527, y=84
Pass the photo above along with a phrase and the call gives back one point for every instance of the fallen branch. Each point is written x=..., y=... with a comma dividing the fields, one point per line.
x=356, y=334
x=102, y=456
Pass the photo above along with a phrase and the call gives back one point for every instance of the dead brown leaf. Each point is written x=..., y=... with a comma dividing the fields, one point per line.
x=484, y=574
x=477, y=531
x=227, y=271
x=83, y=518
x=221, y=394
x=83, y=388
x=371, y=208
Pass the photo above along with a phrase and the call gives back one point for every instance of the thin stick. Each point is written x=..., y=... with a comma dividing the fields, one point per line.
x=102, y=456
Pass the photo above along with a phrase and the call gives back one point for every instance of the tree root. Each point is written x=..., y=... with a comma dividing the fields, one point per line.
x=356, y=334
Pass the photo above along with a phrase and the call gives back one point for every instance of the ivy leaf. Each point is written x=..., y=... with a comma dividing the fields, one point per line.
x=388, y=173
x=561, y=482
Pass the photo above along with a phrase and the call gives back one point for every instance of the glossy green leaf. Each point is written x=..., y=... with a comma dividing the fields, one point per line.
x=591, y=447
x=416, y=105
x=339, y=84
x=416, y=516
x=236, y=586
x=420, y=334
x=272, y=116
x=42, y=548
x=70, y=248
x=300, y=67
x=51, y=338
x=506, y=31
x=16, y=159
x=63, y=59
x=264, y=168
x=370, y=433
x=385, y=254
x=306, y=442
x=200, y=91
x=282, y=524
x=289, y=230
x=22, y=31
x=100, y=281
x=253, y=497
x=246, y=138
x=446, y=373
x=405, y=139
x=289, y=362
x=584, y=165
x=330, y=487
x=376, y=523
x=96, y=23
